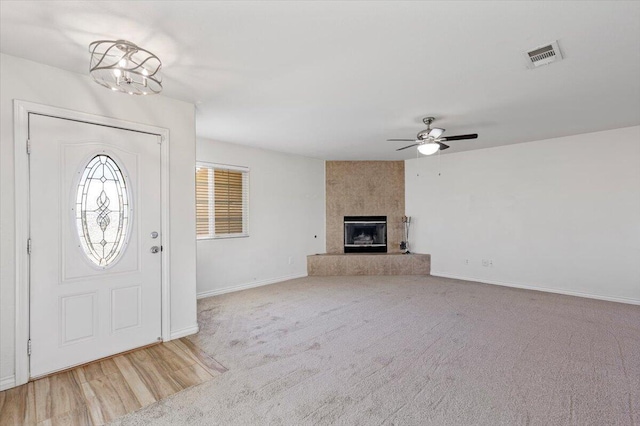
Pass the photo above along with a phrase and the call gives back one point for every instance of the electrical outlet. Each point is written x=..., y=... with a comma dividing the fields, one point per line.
x=290, y=260
x=466, y=262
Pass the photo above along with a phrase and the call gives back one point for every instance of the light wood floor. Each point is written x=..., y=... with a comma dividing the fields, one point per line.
x=99, y=392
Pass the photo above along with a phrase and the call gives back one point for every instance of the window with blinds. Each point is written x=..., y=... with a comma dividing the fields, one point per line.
x=222, y=205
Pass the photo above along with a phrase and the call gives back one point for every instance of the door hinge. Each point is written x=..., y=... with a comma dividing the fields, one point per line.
x=29, y=347
x=28, y=245
x=28, y=146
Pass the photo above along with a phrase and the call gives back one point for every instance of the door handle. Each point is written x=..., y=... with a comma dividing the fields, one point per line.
x=155, y=249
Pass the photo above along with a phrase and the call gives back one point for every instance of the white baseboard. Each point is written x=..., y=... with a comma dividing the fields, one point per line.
x=537, y=288
x=252, y=284
x=7, y=382
x=183, y=332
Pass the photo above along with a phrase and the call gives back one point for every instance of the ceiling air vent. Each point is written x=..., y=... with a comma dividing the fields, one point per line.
x=543, y=55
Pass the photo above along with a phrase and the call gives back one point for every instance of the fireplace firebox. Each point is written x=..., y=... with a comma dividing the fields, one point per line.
x=365, y=234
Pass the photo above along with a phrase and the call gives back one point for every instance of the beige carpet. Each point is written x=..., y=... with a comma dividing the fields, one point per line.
x=410, y=351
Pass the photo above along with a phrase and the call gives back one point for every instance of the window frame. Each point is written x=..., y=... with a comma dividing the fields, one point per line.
x=211, y=198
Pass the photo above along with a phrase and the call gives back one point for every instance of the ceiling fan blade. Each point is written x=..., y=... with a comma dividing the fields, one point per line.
x=400, y=140
x=442, y=145
x=436, y=132
x=408, y=146
x=459, y=137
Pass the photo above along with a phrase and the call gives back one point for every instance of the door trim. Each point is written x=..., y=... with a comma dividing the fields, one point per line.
x=21, y=111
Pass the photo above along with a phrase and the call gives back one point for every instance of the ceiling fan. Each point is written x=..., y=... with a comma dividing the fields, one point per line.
x=429, y=140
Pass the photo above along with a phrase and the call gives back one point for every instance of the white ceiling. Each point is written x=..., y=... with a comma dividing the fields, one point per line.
x=334, y=80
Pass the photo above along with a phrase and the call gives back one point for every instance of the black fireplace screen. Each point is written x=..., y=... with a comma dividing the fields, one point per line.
x=365, y=234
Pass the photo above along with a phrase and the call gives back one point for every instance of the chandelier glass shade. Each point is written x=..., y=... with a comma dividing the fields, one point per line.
x=124, y=67
x=428, y=148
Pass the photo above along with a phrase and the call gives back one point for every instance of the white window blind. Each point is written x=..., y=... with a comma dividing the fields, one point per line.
x=222, y=201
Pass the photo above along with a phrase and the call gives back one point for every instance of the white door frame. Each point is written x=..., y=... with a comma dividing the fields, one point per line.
x=21, y=110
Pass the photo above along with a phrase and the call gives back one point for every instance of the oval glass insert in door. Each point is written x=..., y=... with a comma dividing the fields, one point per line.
x=102, y=211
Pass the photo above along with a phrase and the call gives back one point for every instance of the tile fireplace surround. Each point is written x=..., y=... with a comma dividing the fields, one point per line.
x=364, y=188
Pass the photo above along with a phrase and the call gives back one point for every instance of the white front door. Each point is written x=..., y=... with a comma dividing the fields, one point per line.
x=95, y=242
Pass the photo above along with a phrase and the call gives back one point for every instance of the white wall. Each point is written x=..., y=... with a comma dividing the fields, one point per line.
x=286, y=220
x=30, y=81
x=561, y=214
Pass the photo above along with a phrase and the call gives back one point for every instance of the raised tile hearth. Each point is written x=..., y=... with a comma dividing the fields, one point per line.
x=368, y=264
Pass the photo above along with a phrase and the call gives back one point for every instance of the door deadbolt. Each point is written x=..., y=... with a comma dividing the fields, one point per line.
x=155, y=249
x=154, y=235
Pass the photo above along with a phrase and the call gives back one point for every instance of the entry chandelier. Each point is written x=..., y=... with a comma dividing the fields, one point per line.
x=124, y=67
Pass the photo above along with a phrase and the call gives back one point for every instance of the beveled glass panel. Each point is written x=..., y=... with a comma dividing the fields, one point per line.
x=102, y=210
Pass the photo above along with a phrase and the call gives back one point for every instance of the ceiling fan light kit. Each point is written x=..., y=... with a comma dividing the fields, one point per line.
x=430, y=140
x=122, y=66
x=428, y=148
